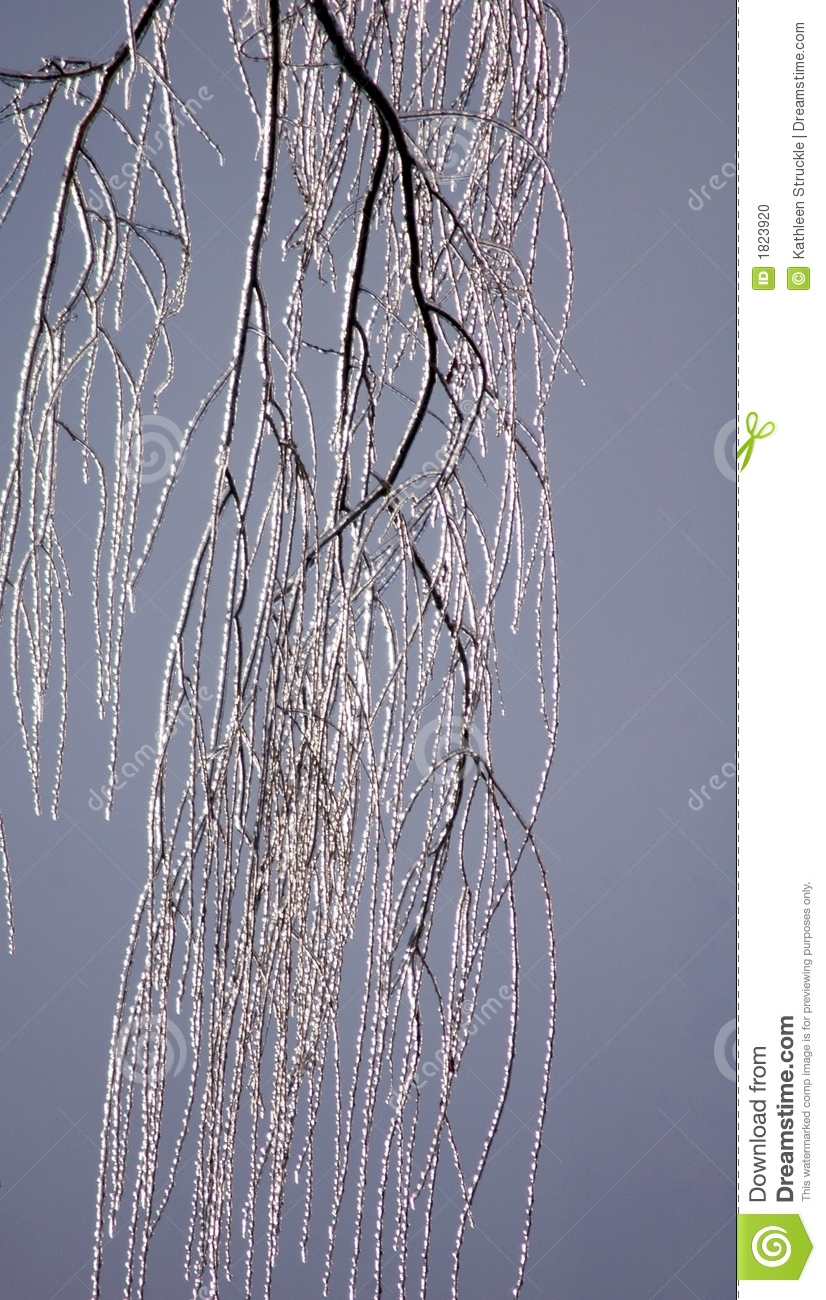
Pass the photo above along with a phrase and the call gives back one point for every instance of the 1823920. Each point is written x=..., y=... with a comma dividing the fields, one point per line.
x=762, y=230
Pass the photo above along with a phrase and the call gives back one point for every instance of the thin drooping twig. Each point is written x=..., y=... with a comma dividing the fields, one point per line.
x=74, y=333
x=6, y=877
x=334, y=881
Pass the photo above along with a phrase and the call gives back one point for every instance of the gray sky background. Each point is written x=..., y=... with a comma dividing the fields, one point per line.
x=635, y=1195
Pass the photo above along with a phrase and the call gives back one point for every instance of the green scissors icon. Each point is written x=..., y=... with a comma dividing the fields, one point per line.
x=765, y=431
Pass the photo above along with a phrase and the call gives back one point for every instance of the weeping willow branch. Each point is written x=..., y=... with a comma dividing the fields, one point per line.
x=335, y=879
x=93, y=246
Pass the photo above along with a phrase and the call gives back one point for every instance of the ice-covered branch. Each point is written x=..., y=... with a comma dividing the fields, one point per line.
x=334, y=850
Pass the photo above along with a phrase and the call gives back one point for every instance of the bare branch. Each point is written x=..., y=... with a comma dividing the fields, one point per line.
x=328, y=812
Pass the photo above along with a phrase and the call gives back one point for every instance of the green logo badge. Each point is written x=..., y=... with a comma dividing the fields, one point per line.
x=762, y=277
x=798, y=277
x=771, y=1247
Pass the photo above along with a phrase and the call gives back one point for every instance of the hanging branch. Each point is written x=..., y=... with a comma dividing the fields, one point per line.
x=80, y=382
x=333, y=883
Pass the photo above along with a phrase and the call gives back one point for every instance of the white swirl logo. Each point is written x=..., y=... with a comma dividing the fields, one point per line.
x=160, y=442
x=721, y=459
x=770, y=1246
x=721, y=1060
x=797, y=277
x=450, y=742
x=176, y=1048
